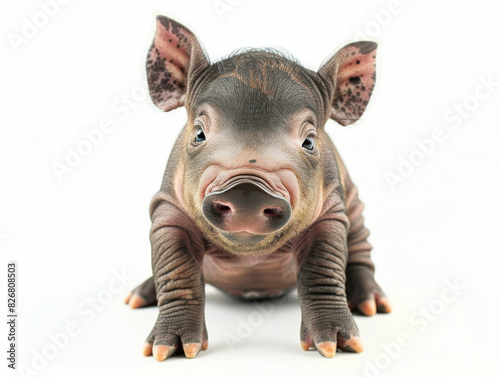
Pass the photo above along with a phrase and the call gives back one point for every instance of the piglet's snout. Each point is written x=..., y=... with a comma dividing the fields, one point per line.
x=246, y=207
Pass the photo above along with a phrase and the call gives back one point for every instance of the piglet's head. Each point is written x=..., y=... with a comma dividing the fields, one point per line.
x=252, y=165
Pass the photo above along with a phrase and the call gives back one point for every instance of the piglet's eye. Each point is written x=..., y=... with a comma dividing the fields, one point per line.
x=309, y=143
x=200, y=136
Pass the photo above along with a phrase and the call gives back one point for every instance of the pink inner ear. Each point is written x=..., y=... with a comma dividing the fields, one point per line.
x=168, y=63
x=173, y=48
x=355, y=82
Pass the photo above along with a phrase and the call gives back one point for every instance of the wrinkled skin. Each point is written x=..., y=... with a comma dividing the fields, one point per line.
x=255, y=199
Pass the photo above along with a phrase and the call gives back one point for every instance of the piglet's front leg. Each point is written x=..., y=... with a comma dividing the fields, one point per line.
x=180, y=291
x=327, y=322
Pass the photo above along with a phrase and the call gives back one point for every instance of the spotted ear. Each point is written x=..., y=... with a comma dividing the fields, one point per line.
x=174, y=60
x=350, y=78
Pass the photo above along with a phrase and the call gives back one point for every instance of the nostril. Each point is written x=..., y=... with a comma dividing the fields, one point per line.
x=273, y=213
x=222, y=209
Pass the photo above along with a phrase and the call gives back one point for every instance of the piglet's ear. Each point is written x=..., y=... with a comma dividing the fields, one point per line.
x=174, y=60
x=350, y=78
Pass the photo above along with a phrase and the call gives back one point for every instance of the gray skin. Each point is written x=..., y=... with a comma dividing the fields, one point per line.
x=255, y=199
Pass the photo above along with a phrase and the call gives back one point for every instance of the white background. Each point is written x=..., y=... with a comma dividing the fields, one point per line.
x=70, y=237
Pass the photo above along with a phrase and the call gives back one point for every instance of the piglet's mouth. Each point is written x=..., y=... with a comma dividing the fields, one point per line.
x=243, y=237
x=246, y=209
